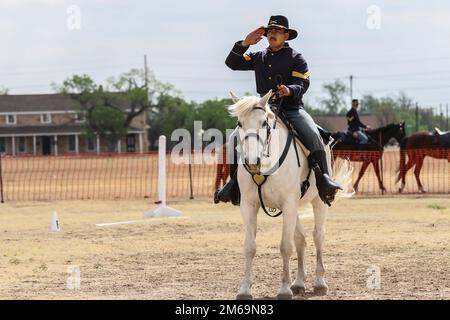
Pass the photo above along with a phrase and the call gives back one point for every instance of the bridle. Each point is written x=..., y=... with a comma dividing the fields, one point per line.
x=266, y=142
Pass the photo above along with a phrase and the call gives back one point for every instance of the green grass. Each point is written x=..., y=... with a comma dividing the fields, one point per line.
x=436, y=206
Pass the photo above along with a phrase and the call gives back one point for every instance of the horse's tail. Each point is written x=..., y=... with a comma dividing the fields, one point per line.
x=343, y=170
x=342, y=173
x=402, y=163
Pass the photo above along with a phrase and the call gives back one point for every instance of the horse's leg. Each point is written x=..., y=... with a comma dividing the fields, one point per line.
x=298, y=287
x=376, y=166
x=320, y=212
x=290, y=216
x=219, y=175
x=361, y=173
x=249, y=216
x=408, y=166
x=417, y=169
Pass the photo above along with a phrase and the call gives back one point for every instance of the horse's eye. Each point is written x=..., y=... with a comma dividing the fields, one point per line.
x=265, y=124
x=239, y=124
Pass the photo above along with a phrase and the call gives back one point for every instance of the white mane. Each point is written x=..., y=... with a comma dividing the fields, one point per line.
x=244, y=106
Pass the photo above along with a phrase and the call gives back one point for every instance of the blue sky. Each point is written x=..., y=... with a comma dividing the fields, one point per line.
x=187, y=41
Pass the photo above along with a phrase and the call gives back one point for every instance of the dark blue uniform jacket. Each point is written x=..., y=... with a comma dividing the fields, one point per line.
x=267, y=65
x=354, y=124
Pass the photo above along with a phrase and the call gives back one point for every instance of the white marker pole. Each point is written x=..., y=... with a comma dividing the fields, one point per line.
x=55, y=223
x=162, y=210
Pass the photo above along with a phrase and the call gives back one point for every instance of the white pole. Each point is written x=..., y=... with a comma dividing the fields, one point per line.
x=162, y=210
x=56, y=145
x=162, y=170
x=13, y=145
x=141, y=148
x=34, y=145
x=98, y=144
x=77, y=145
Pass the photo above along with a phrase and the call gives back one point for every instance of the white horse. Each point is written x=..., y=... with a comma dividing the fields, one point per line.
x=280, y=190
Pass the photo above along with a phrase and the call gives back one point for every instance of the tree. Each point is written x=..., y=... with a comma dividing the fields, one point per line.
x=168, y=114
x=4, y=91
x=336, y=92
x=110, y=112
x=214, y=114
x=385, y=109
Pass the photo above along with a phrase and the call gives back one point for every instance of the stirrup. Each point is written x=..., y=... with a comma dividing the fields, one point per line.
x=330, y=186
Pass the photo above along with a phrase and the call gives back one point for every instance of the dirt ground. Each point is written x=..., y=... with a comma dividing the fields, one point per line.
x=200, y=256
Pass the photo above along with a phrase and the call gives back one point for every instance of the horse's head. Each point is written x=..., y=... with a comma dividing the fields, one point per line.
x=391, y=131
x=402, y=132
x=399, y=132
x=253, y=115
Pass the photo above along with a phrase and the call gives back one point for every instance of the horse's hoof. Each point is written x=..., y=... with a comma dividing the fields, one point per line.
x=296, y=290
x=244, y=296
x=284, y=296
x=320, y=291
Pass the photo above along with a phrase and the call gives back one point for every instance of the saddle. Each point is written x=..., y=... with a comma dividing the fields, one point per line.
x=346, y=138
x=441, y=139
x=326, y=135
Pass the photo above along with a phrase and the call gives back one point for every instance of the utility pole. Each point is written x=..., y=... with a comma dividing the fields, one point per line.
x=145, y=72
x=351, y=88
x=446, y=116
x=417, y=117
x=441, y=117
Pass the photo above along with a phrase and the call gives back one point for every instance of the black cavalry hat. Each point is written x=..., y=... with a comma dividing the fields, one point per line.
x=281, y=22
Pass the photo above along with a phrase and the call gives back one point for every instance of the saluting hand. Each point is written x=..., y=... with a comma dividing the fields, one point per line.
x=253, y=37
x=283, y=91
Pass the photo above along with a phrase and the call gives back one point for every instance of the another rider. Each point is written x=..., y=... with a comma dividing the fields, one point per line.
x=355, y=124
x=280, y=61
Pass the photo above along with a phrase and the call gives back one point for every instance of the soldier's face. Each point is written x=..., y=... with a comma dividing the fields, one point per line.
x=355, y=105
x=276, y=37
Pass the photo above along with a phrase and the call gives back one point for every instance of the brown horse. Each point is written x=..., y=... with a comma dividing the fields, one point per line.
x=223, y=169
x=417, y=147
x=371, y=152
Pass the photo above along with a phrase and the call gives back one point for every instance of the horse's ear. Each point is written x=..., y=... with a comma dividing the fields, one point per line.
x=234, y=97
x=264, y=99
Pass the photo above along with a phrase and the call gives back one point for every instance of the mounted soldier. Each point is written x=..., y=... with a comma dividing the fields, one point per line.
x=283, y=70
x=355, y=125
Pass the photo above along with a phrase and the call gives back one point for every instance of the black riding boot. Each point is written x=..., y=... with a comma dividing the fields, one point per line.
x=327, y=187
x=310, y=137
x=230, y=191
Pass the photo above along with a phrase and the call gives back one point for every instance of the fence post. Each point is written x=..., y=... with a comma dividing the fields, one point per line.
x=1, y=180
x=190, y=176
x=381, y=162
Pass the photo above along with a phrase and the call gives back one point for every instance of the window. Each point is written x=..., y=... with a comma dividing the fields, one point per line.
x=2, y=145
x=46, y=118
x=71, y=144
x=11, y=119
x=21, y=146
x=90, y=144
